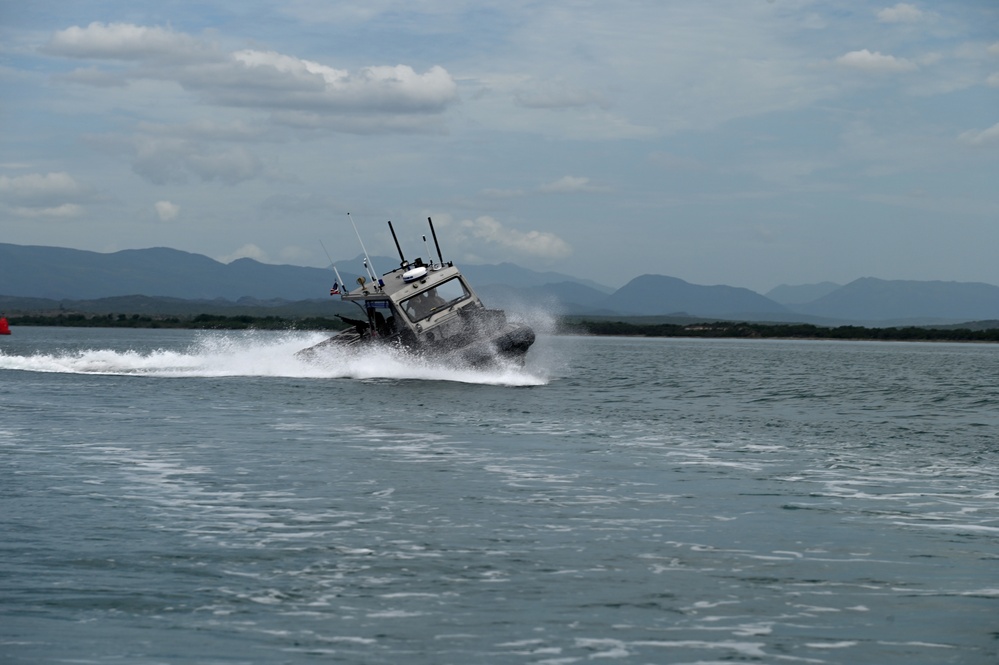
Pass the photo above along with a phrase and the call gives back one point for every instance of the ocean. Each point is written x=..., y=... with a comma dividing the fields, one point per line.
x=203, y=497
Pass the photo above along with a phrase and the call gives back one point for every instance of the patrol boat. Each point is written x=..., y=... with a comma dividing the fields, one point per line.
x=427, y=309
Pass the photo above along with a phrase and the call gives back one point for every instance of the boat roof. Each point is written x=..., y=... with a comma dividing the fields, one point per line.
x=406, y=280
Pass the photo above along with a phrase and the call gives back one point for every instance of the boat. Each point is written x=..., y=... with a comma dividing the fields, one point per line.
x=4, y=325
x=426, y=309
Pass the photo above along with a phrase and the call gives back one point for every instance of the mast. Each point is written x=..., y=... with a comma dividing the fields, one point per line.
x=436, y=244
x=367, y=260
x=402, y=257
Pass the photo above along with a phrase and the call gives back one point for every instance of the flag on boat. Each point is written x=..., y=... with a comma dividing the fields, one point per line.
x=335, y=290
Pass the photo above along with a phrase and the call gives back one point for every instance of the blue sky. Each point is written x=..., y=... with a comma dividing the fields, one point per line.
x=741, y=142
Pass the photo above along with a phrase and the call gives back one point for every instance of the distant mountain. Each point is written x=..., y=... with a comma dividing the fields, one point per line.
x=876, y=300
x=801, y=293
x=57, y=273
x=560, y=298
x=60, y=274
x=657, y=294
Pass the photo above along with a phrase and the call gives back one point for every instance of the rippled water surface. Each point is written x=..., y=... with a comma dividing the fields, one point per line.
x=171, y=496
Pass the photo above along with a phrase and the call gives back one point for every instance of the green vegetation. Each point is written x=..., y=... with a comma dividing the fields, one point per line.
x=201, y=321
x=781, y=331
x=717, y=329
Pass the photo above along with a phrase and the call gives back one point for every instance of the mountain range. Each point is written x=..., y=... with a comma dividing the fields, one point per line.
x=54, y=274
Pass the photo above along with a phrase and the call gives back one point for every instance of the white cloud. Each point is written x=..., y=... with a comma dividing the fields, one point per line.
x=166, y=160
x=371, y=99
x=540, y=244
x=900, y=13
x=166, y=211
x=44, y=195
x=975, y=137
x=865, y=60
x=248, y=251
x=566, y=185
x=61, y=211
x=120, y=41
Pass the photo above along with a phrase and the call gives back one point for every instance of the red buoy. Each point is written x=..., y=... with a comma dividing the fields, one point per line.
x=4, y=326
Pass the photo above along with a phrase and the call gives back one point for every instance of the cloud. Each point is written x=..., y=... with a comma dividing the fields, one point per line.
x=900, y=13
x=299, y=92
x=567, y=185
x=164, y=159
x=166, y=211
x=60, y=211
x=974, y=137
x=392, y=89
x=55, y=195
x=564, y=185
x=124, y=41
x=530, y=243
x=875, y=62
x=494, y=193
x=207, y=130
x=248, y=251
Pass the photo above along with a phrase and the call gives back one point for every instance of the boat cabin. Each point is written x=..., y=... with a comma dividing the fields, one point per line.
x=416, y=303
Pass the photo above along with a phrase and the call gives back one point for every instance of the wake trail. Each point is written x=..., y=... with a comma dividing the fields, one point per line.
x=264, y=355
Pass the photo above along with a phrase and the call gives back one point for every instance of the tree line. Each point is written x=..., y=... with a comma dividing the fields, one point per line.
x=199, y=322
x=781, y=331
x=718, y=329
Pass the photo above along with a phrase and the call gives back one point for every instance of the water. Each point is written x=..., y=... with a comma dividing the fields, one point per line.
x=172, y=496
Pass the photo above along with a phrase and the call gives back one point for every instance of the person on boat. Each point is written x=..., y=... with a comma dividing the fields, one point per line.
x=360, y=326
x=417, y=308
x=432, y=300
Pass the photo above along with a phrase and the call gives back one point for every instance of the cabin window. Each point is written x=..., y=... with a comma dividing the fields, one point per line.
x=434, y=299
x=381, y=316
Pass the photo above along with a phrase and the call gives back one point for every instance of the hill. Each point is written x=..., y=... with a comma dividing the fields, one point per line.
x=60, y=275
x=657, y=294
x=787, y=294
x=57, y=273
x=877, y=300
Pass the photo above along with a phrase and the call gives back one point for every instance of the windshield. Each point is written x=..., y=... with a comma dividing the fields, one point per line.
x=427, y=302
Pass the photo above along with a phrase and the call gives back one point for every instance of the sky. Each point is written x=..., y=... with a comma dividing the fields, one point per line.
x=751, y=143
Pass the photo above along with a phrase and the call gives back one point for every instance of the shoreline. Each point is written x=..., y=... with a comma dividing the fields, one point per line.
x=701, y=330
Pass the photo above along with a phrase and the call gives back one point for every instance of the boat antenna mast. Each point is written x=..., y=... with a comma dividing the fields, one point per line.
x=436, y=244
x=339, y=284
x=368, y=267
x=402, y=257
x=426, y=248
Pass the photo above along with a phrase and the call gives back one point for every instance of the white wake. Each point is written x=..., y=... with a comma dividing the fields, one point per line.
x=221, y=354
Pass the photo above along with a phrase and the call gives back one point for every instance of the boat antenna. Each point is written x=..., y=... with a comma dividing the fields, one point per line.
x=339, y=280
x=367, y=260
x=426, y=248
x=402, y=257
x=436, y=244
